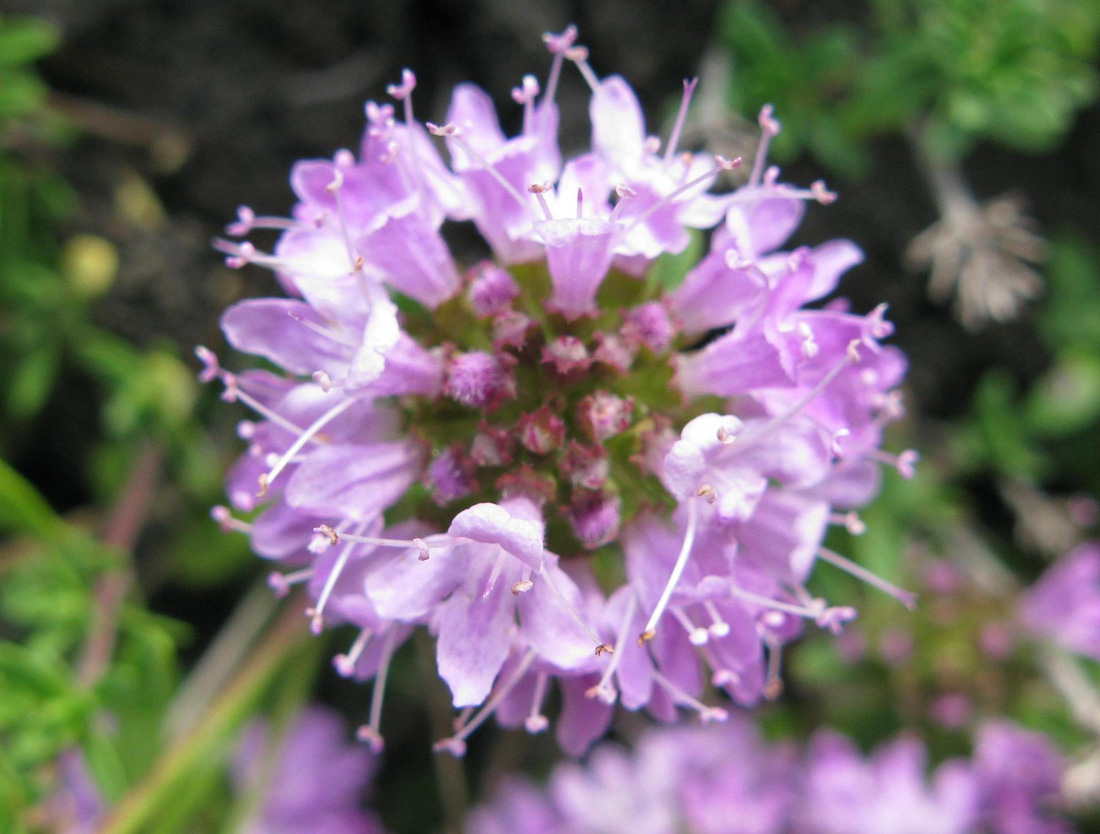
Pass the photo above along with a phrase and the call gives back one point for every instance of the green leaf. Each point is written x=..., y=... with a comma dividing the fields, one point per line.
x=24, y=510
x=25, y=40
x=1066, y=399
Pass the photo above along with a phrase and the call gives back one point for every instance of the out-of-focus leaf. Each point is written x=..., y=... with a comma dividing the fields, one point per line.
x=31, y=382
x=24, y=510
x=24, y=40
x=1066, y=399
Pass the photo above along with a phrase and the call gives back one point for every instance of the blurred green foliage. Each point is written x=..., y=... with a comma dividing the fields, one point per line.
x=1009, y=71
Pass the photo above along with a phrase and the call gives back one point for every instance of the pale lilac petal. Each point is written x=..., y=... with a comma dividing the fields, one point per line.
x=493, y=524
x=355, y=481
x=618, y=128
x=475, y=637
x=582, y=719
x=267, y=327
x=578, y=255
x=547, y=624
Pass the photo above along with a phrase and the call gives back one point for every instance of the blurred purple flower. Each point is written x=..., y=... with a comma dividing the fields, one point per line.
x=727, y=781
x=310, y=782
x=1064, y=604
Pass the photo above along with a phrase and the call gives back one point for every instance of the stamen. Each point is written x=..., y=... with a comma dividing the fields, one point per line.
x=536, y=722
x=904, y=463
x=417, y=542
x=677, y=571
x=601, y=647
x=452, y=132
x=558, y=45
x=247, y=221
x=370, y=733
x=681, y=117
x=579, y=56
x=303, y=439
x=805, y=611
x=769, y=127
x=316, y=615
x=526, y=95
x=850, y=521
x=502, y=557
x=227, y=522
x=719, y=628
x=697, y=636
x=721, y=164
x=624, y=193
x=281, y=583
x=906, y=598
x=706, y=714
x=538, y=189
x=754, y=435
x=456, y=744
x=605, y=690
x=345, y=663
x=321, y=330
x=524, y=585
x=403, y=92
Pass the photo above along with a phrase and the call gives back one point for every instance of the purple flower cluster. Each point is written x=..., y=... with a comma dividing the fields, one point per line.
x=726, y=781
x=569, y=473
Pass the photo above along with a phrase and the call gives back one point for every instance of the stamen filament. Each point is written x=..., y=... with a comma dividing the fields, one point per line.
x=681, y=117
x=706, y=714
x=317, y=619
x=456, y=744
x=536, y=722
x=673, y=580
x=906, y=598
x=370, y=733
x=303, y=439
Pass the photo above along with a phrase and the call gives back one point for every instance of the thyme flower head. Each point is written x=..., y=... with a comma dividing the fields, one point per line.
x=571, y=471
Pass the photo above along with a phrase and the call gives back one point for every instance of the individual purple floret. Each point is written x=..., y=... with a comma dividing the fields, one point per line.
x=310, y=782
x=538, y=457
x=1064, y=604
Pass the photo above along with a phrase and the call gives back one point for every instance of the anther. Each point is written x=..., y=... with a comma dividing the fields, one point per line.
x=527, y=92
x=604, y=648
x=522, y=587
x=767, y=122
x=907, y=462
x=404, y=89
x=449, y=129
x=323, y=380
x=728, y=164
x=245, y=220
x=822, y=194
x=372, y=738
x=326, y=530
x=559, y=43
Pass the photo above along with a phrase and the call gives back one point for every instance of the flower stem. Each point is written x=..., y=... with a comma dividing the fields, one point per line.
x=139, y=808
